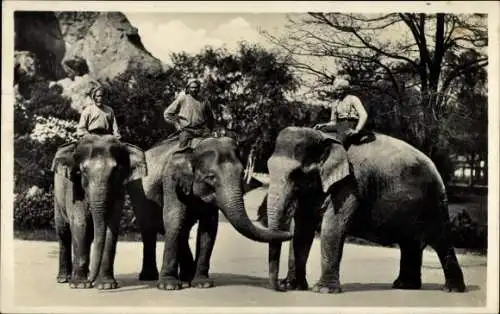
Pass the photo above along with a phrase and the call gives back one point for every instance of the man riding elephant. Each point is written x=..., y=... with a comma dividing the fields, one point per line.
x=190, y=115
x=97, y=118
x=348, y=115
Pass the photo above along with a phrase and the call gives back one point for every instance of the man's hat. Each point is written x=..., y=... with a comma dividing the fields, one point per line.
x=340, y=83
x=94, y=90
x=191, y=81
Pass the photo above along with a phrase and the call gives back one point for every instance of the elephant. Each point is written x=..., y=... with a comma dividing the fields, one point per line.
x=89, y=188
x=184, y=187
x=385, y=191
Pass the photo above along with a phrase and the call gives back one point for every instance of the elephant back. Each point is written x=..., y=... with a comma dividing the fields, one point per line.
x=390, y=162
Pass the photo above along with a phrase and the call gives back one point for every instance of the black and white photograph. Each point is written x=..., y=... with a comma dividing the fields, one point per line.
x=253, y=157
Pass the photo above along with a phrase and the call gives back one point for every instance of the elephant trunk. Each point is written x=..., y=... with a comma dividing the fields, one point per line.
x=279, y=196
x=98, y=211
x=232, y=205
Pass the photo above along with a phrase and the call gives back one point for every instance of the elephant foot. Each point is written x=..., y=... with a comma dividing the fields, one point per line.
x=277, y=286
x=454, y=287
x=406, y=284
x=327, y=288
x=185, y=284
x=106, y=284
x=169, y=284
x=63, y=278
x=80, y=284
x=202, y=282
x=294, y=284
x=148, y=275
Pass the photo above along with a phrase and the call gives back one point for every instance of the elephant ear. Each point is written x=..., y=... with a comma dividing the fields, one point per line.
x=64, y=160
x=181, y=170
x=335, y=163
x=138, y=166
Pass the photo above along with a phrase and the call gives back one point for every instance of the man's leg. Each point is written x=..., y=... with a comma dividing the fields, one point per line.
x=184, y=139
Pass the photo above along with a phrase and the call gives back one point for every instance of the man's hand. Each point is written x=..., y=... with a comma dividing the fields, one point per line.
x=351, y=132
x=319, y=126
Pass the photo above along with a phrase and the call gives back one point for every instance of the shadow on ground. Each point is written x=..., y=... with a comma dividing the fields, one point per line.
x=131, y=282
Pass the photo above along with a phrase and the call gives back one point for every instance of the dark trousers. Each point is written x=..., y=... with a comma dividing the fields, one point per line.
x=187, y=134
x=341, y=127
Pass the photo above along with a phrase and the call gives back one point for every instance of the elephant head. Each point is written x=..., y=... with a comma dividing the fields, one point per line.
x=213, y=173
x=304, y=161
x=98, y=167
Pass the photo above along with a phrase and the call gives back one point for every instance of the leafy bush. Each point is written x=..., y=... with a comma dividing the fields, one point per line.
x=138, y=101
x=128, y=223
x=51, y=128
x=24, y=120
x=48, y=101
x=32, y=162
x=468, y=234
x=34, y=212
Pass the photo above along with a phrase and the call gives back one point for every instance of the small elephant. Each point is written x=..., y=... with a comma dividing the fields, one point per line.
x=385, y=191
x=185, y=187
x=89, y=187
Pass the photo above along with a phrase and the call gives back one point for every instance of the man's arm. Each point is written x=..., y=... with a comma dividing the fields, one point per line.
x=116, y=131
x=363, y=115
x=333, y=118
x=170, y=114
x=81, y=128
x=209, y=117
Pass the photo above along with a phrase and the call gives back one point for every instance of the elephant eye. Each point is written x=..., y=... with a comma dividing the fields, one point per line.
x=210, y=178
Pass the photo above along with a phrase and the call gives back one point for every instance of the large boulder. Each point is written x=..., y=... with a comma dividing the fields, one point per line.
x=70, y=44
x=104, y=44
x=40, y=34
x=76, y=50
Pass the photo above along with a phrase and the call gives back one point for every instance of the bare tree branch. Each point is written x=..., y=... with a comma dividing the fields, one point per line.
x=352, y=30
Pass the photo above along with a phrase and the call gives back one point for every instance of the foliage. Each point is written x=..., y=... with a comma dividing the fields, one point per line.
x=52, y=128
x=24, y=120
x=47, y=100
x=34, y=212
x=467, y=233
x=138, y=100
x=32, y=162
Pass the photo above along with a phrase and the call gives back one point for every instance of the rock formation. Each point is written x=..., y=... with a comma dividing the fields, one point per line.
x=77, y=49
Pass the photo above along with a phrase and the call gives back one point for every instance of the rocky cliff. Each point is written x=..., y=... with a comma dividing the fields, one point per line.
x=77, y=47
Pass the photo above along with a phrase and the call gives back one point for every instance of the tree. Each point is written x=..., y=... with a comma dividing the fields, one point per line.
x=388, y=43
x=465, y=127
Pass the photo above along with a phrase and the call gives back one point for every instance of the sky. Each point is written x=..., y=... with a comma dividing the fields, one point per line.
x=165, y=32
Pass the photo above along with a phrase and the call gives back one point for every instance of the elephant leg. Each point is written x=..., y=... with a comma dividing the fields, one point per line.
x=448, y=259
x=274, y=265
x=149, y=268
x=410, y=265
x=64, y=234
x=299, y=253
x=174, y=220
x=333, y=233
x=106, y=279
x=187, y=266
x=207, y=233
x=81, y=234
x=148, y=215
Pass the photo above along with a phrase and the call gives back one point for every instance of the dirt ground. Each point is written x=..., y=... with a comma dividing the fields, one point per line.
x=239, y=268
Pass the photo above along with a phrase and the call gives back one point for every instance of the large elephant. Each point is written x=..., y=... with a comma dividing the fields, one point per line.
x=185, y=187
x=89, y=187
x=385, y=191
